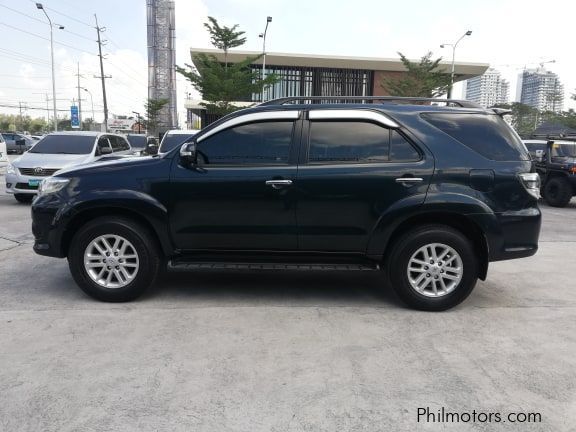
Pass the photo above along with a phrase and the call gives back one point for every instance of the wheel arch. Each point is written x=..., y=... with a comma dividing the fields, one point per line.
x=460, y=222
x=80, y=218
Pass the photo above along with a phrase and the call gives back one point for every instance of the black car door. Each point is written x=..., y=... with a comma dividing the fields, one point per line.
x=240, y=195
x=356, y=164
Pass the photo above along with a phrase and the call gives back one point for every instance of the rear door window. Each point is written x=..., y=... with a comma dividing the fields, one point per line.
x=348, y=142
x=486, y=134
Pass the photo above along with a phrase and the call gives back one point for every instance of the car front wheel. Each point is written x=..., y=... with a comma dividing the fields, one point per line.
x=24, y=198
x=433, y=268
x=557, y=192
x=113, y=259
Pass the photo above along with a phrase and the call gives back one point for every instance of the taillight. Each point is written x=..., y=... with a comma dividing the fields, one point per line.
x=531, y=182
x=573, y=169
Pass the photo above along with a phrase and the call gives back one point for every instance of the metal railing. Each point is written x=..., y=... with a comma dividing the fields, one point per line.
x=370, y=99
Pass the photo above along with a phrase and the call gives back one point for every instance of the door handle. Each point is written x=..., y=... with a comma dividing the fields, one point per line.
x=278, y=184
x=408, y=180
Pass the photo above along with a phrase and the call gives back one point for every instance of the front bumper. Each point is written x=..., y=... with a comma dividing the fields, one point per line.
x=22, y=184
x=47, y=226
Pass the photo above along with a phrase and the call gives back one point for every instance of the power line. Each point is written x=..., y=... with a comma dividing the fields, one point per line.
x=46, y=39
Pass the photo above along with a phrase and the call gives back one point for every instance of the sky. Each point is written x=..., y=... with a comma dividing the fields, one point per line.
x=508, y=34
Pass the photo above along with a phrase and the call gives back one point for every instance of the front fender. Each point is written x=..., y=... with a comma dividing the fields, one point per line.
x=140, y=205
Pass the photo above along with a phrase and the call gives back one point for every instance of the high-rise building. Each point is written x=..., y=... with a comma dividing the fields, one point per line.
x=162, y=61
x=488, y=89
x=540, y=89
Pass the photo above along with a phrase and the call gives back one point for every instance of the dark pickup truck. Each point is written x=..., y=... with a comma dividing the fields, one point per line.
x=555, y=160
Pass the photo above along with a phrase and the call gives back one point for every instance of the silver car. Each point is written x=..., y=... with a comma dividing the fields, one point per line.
x=60, y=150
x=17, y=142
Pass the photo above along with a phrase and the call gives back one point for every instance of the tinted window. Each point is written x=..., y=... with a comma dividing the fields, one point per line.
x=563, y=150
x=348, y=142
x=64, y=144
x=486, y=134
x=401, y=150
x=171, y=141
x=103, y=142
x=118, y=143
x=137, y=141
x=262, y=143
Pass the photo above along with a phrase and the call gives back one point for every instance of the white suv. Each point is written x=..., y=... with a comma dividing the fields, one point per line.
x=60, y=150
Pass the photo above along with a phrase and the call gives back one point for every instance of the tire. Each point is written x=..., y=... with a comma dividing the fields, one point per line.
x=24, y=198
x=557, y=192
x=411, y=246
x=139, y=267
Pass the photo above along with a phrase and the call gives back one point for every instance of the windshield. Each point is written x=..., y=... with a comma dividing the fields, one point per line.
x=564, y=150
x=137, y=141
x=64, y=144
x=173, y=140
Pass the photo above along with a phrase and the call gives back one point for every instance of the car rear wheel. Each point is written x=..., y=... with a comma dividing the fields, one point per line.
x=114, y=259
x=24, y=198
x=557, y=192
x=433, y=268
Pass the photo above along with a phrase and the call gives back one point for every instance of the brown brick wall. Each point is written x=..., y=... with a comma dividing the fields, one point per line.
x=378, y=76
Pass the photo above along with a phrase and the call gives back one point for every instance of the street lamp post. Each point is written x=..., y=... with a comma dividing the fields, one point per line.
x=263, y=36
x=91, y=102
x=454, y=45
x=137, y=119
x=39, y=6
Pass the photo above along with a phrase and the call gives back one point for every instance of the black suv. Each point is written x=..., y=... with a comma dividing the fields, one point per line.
x=429, y=194
x=555, y=160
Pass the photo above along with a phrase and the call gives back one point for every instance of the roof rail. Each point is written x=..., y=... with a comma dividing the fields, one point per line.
x=372, y=99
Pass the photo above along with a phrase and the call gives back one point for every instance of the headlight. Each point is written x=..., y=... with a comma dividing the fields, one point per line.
x=52, y=184
x=531, y=182
x=10, y=169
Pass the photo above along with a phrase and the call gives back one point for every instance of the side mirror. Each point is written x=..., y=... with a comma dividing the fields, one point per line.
x=104, y=150
x=188, y=153
x=539, y=155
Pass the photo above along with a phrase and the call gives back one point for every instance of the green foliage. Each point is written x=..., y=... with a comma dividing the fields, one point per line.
x=11, y=122
x=524, y=118
x=152, y=107
x=423, y=79
x=224, y=37
x=221, y=84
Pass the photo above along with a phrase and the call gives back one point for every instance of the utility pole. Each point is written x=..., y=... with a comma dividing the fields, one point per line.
x=20, y=109
x=79, y=98
x=102, y=76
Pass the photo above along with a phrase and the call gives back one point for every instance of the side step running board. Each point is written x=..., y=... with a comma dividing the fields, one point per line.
x=193, y=266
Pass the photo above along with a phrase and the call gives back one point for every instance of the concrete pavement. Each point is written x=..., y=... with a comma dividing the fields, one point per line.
x=283, y=352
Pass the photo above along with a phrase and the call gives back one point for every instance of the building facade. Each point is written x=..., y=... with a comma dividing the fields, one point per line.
x=541, y=89
x=320, y=75
x=488, y=90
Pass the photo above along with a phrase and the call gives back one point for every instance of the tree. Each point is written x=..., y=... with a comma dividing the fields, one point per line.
x=423, y=79
x=224, y=37
x=152, y=107
x=524, y=118
x=222, y=84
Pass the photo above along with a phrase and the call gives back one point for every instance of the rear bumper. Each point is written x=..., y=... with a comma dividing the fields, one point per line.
x=518, y=237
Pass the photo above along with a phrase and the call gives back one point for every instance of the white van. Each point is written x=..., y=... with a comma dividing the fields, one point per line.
x=3, y=152
x=173, y=138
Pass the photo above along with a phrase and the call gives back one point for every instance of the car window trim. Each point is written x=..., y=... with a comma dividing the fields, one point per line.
x=292, y=156
x=353, y=114
x=251, y=118
x=304, y=158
